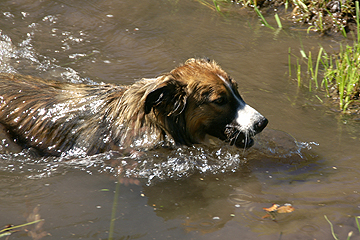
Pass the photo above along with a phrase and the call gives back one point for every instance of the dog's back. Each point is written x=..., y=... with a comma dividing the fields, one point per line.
x=54, y=116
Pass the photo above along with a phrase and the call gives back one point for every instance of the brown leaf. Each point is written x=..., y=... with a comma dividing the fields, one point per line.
x=273, y=208
x=287, y=208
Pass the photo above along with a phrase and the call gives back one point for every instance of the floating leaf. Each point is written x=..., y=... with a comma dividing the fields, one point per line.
x=276, y=208
x=287, y=208
x=273, y=208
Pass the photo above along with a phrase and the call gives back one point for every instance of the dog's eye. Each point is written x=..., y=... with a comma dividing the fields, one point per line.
x=220, y=101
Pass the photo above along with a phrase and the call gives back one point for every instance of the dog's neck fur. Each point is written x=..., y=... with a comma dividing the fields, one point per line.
x=132, y=122
x=129, y=121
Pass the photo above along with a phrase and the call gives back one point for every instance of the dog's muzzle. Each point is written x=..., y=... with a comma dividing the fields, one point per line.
x=242, y=138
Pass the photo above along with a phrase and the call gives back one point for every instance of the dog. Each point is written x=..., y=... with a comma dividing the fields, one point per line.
x=184, y=107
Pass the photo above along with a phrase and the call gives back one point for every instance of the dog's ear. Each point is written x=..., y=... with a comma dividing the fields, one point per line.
x=168, y=98
x=154, y=98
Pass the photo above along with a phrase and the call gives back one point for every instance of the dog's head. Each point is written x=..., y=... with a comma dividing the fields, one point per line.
x=199, y=99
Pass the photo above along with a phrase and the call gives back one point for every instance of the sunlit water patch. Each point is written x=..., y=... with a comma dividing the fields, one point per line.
x=21, y=58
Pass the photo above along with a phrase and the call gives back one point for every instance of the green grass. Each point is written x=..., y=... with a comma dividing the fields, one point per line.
x=263, y=20
x=340, y=72
x=345, y=74
x=322, y=15
x=216, y=5
x=349, y=234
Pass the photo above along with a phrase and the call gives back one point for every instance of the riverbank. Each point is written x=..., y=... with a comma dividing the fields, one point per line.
x=326, y=16
x=339, y=73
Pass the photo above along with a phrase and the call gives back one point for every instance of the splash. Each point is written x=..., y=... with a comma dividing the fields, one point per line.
x=22, y=56
x=157, y=164
x=7, y=52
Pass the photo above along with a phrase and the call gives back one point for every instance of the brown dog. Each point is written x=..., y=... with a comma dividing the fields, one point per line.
x=184, y=106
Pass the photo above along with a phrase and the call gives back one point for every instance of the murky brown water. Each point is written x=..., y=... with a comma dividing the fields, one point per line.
x=308, y=156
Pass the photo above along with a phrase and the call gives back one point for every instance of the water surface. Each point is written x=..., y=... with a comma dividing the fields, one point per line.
x=308, y=155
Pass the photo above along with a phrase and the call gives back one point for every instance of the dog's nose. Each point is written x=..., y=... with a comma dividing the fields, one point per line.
x=260, y=125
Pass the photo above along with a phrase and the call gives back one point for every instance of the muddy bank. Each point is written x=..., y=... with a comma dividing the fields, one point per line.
x=326, y=17
x=354, y=105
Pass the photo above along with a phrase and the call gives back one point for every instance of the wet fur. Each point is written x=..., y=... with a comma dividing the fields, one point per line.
x=58, y=117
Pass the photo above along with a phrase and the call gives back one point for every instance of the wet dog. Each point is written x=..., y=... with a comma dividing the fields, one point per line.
x=195, y=100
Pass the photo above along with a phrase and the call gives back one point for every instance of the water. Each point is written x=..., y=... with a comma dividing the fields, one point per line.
x=307, y=156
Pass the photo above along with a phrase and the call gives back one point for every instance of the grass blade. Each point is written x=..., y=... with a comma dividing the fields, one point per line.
x=317, y=67
x=357, y=20
x=298, y=73
x=217, y=7
x=332, y=228
x=277, y=18
x=22, y=225
x=263, y=20
x=113, y=211
x=289, y=61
